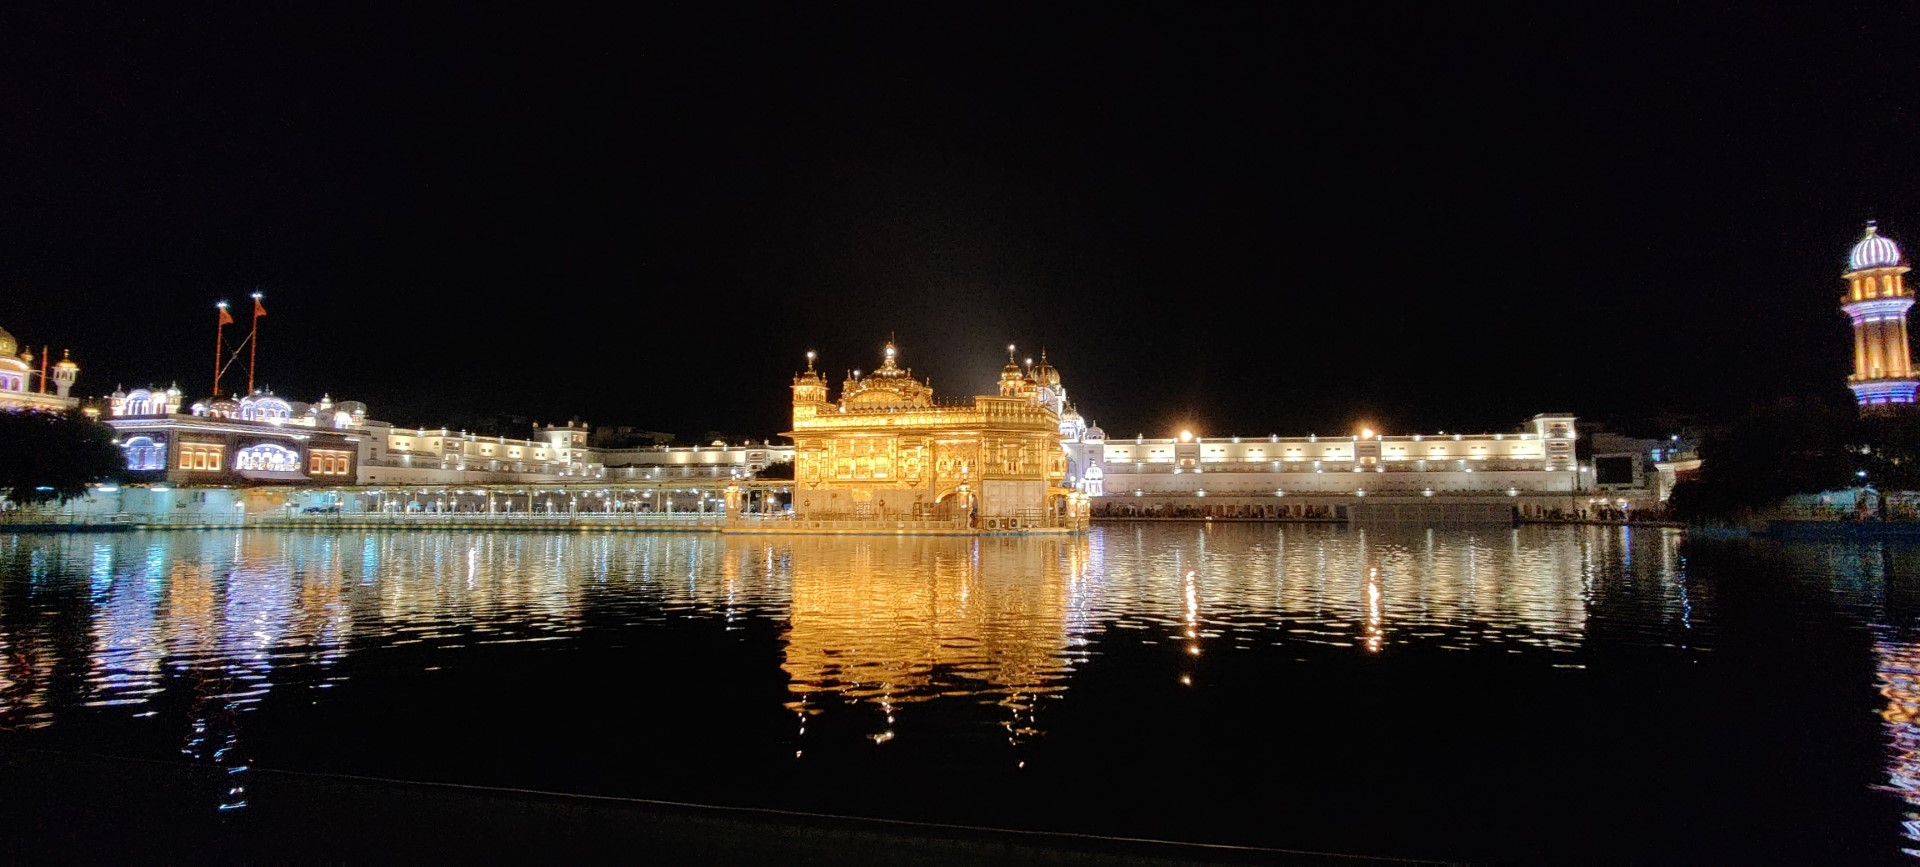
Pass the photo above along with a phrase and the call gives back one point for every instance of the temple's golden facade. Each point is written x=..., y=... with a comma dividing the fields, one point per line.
x=888, y=449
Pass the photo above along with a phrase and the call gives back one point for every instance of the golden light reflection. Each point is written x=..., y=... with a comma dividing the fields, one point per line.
x=1190, y=593
x=893, y=621
x=1898, y=673
x=874, y=626
x=1454, y=589
x=1375, y=632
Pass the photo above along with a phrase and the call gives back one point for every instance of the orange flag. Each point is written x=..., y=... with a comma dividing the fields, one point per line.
x=257, y=309
x=225, y=317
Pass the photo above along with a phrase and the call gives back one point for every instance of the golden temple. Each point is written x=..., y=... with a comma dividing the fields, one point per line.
x=887, y=450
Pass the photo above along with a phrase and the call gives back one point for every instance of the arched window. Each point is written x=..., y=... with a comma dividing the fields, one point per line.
x=145, y=454
x=267, y=456
x=267, y=409
x=139, y=402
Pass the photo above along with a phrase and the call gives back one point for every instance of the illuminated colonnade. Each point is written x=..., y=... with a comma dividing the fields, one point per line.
x=1532, y=468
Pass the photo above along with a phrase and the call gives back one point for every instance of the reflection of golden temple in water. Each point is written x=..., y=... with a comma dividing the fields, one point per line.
x=896, y=620
x=872, y=619
x=872, y=625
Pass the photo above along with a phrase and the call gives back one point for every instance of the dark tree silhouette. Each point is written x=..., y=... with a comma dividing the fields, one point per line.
x=48, y=456
x=776, y=470
x=1889, y=451
x=1792, y=447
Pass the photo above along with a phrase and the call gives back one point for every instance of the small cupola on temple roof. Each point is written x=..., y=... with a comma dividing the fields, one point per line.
x=1044, y=373
x=810, y=375
x=1874, y=251
x=888, y=368
x=1013, y=380
x=809, y=387
x=1012, y=372
x=889, y=385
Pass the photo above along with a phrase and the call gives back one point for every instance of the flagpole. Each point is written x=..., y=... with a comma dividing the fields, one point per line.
x=219, y=344
x=254, y=354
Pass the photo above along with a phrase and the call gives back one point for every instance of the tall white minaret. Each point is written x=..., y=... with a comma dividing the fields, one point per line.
x=1877, y=301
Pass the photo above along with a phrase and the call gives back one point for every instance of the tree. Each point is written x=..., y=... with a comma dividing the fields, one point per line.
x=51, y=456
x=1889, y=451
x=776, y=470
x=1793, y=447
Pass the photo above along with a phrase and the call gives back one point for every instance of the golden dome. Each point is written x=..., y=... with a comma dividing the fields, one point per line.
x=8, y=345
x=1044, y=373
x=889, y=386
x=810, y=376
x=887, y=368
x=1012, y=370
x=65, y=363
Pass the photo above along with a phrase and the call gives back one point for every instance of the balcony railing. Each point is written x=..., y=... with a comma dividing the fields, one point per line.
x=1410, y=465
x=373, y=519
x=842, y=521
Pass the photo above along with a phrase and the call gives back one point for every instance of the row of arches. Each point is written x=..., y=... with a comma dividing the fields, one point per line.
x=147, y=453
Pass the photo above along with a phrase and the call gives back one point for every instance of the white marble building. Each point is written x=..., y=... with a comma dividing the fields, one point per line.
x=1528, y=471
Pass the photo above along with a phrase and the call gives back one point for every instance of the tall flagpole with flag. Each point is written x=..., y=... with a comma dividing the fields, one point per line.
x=219, y=343
x=254, y=353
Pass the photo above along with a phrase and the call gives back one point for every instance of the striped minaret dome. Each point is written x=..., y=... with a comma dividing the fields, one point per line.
x=1873, y=251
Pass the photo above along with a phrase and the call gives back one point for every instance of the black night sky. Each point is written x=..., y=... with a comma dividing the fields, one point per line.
x=1264, y=219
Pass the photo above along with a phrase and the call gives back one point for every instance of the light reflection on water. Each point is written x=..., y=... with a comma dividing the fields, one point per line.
x=884, y=635
x=887, y=619
x=899, y=621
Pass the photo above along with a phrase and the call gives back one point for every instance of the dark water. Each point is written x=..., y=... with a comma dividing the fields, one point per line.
x=1538, y=693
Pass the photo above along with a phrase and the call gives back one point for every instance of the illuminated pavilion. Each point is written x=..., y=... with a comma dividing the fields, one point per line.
x=17, y=389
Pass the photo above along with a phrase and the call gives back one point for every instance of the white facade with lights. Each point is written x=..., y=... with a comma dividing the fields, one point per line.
x=557, y=453
x=264, y=454
x=382, y=454
x=1528, y=472
x=259, y=439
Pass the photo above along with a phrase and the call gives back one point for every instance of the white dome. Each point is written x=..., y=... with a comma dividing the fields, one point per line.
x=1873, y=251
